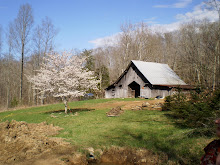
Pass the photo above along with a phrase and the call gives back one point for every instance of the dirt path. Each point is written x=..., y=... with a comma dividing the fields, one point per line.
x=125, y=105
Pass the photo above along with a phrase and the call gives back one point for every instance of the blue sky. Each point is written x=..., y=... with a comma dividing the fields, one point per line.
x=82, y=22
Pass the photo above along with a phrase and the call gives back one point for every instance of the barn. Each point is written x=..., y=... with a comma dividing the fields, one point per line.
x=147, y=80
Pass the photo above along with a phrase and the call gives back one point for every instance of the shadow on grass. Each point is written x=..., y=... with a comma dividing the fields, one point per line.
x=147, y=121
x=71, y=110
x=156, y=143
x=160, y=145
x=195, y=131
x=175, y=121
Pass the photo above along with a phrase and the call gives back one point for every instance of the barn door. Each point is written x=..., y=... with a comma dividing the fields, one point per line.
x=134, y=90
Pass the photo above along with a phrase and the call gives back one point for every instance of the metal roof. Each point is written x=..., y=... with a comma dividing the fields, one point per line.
x=158, y=74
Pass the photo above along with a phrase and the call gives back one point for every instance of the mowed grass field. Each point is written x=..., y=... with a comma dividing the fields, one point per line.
x=88, y=126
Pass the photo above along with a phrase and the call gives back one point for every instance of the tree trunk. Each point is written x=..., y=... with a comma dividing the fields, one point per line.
x=215, y=64
x=8, y=96
x=29, y=94
x=34, y=101
x=65, y=104
x=100, y=77
x=42, y=98
x=22, y=70
x=214, y=74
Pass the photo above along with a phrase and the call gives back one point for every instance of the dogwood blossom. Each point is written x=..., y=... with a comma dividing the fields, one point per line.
x=63, y=75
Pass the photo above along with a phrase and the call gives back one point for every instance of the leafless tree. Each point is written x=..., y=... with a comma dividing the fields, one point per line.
x=9, y=75
x=21, y=29
x=43, y=38
x=0, y=41
x=8, y=67
x=215, y=6
x=43, y=41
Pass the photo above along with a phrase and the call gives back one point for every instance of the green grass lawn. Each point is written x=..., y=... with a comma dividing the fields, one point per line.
x=138, y=129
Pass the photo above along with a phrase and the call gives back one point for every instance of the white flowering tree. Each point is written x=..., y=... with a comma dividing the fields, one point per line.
x=63, y=75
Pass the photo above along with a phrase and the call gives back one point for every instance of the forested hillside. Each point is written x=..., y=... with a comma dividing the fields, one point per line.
x=192, y=51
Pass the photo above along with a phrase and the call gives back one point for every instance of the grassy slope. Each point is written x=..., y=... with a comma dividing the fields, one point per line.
x=145, y=129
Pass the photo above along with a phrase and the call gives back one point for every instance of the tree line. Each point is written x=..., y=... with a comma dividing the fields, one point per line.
x=192, y=52
x=25, y=46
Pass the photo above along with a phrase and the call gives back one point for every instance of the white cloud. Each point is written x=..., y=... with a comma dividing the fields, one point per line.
x=163, y=28
x=182, y=3
x=179, y=4
x=106, y=41
x=151, y=20
x=162, y=6
x=199, y=12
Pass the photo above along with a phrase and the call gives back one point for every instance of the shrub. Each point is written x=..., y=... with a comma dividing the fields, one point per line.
x=198, y=110
x=14, y=102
